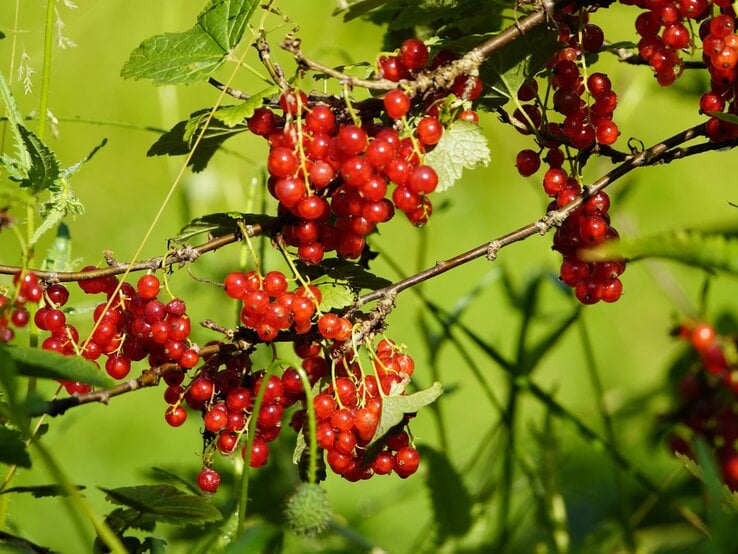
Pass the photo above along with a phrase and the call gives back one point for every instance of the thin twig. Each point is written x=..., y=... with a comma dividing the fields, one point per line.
x=235, y=93
x=179, y=256
x=661, y=151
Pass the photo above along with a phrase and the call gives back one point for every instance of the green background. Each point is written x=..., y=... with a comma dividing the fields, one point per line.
x=122, y=190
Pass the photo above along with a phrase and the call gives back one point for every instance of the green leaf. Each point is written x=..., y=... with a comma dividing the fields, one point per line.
x=449, y=495
x=532, y=356
x=41, y=491
x=159, y=473
x=508, y=68
x=233, y=115
x=257, y=536
x=462, y=145
x=220, y=224
x=18, y=166
x=18, y=545
x=711, y=251
x=44, y=169
x=357, y=9
x=344, y=270
x=44, y=364
x=192, y=55
x=395, y=406
x=728, y=117
x=165, y=504
x=334, y=295
x=63, y=202
x=13, y=449
x=178, y=141
x=59, y=254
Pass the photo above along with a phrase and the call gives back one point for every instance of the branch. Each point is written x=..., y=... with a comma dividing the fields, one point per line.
x=444, y=76
x=149, y=378
x=179, y=256
x=662, y=152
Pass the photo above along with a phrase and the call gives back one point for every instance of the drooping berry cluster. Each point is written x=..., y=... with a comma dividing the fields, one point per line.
x=224, y=390
x=13, y=309
x=666, y=32
x=347, y=406
x=587, y=108
x=136, y=325
x=269, y=307
x=586, y=227
x=331, y=173
x=348, y=411
x=708, y=393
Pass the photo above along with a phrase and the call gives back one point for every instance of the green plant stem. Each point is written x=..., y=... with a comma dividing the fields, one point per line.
x=78, y=506
x=312, y=425
x=624, y=508
x=507, y=469
x=46, y=72
x=243, y=497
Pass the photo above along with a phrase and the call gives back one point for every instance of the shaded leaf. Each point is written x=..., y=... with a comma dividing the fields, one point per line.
x=344, y=270
x=44, y=364
x=192, y=55
x=19, y=545
x=394, y=407
x=13, y=449
x=509, y=67
x=220, y=224
x=357, y=9
x=711, y=251
x=165, y=503
x=256, y=537
x=179, y=139
x=449, y=495
x=462, y=146
x=160, y=472
x=41, y=491
x=533, y=355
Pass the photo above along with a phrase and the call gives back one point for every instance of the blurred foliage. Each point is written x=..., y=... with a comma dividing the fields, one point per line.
x=518, y=451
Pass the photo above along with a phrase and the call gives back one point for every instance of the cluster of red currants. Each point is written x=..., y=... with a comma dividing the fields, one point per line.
x=587, y=108
x=348, y=411
x=331, y=171
x=269, y=307
x=708, y=400
x=130, y=325
x=12, y=308
x=224, y=390
x=666, y=31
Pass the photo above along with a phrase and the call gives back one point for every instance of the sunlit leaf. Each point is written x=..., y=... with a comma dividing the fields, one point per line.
x=192, y=55
x=462, y=146
x=396, y=406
